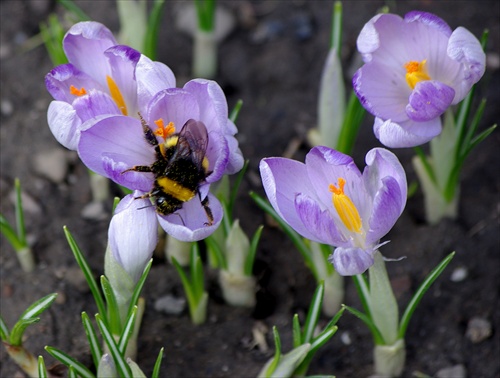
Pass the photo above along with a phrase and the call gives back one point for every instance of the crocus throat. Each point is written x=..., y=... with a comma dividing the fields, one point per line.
x=346, y=209
x=116, y=95
x=77, y=92
x=416, y=72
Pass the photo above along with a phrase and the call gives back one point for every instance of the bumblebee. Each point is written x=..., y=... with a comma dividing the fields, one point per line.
x=180, y=168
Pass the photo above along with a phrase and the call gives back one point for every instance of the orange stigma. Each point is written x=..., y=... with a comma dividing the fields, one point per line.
x=346, y=209
x=116, y=95
x=77, y=92
x=162, y=130
x=416, y=72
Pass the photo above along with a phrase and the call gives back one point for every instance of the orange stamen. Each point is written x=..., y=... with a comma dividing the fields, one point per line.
x=416, y=72
x=346, y=209
x=77, y=92
x=164, y=131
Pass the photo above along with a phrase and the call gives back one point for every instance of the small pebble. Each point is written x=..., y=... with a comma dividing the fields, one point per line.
x=61, y=298
x=459, y=274
x=75, y=278
x=267, y=31
x=303, y=27
x=52, y=164
x=345, y=337
x=457, y=371
x=30, y=206
x=170, y=305
x=478, y=329
x=6, y=107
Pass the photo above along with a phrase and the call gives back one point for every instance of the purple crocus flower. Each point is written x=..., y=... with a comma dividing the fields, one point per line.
x=415, y=68
x=117, y=143
x=102, y=78
x=329, y=201
x=133, y=235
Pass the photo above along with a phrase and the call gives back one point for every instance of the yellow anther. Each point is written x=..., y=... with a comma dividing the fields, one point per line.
x=116, y=95
x=77, y=92
x=164, y=131
x=416, y=72
x=346, y=209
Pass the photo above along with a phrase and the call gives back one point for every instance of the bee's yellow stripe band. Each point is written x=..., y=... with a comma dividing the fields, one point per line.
x=175, y=189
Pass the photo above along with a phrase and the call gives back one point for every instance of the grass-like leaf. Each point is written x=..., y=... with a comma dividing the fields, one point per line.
x=95, y=345
x=121, y=365
x=42, y=370
x=216, y=249
x=153, y=28
x=429, y=280
x=205, y=10
x=128, y=328
x=297, y=240
x=186, y=284
x=74, y=9
x=248, y=268
x=377, y=336
x=16, y=335
x=87, y=272
x=277, y=353
x=313, y=313
x=72, y=372
x=236, y=110
x=113, y=315
x=363, y=291
x=138, y=287
x=8, y=231
x=156, y=369
x=296, y=331
x=335, y=319
x=65, y=359
x=38, y=307
x=21, y=228
x=4, y=331
x=354, y=115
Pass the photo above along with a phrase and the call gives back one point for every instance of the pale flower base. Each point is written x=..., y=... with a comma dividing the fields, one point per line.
x=334, y=294
x=436, y=207
x=389, y=360
x=237, y=290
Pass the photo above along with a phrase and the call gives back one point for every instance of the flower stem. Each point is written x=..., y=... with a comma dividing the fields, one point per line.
x=26, y=259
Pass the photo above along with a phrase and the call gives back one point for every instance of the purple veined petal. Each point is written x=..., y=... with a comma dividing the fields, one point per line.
x=430, y=20
x=235, y=160
x=94, y=104
x=464, y=48
x=123, y=60
x=325, y=166
x=173, y=105
x=115, y=144
x=351, y=261
x=151, y=77
x=318, y=221
x=64, y=124
x=212, y=103
x=406, y=134
x=383, y=163
x=382, y=89
x=429, y=100
x=189, y=223
x=387, y=207
x=217, y=154
x=133, y=234
x=368, y=40
x=282, y=180
x=84, y=45
x=59, y=80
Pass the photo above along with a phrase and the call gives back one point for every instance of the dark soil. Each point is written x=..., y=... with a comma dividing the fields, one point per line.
x=277, y=77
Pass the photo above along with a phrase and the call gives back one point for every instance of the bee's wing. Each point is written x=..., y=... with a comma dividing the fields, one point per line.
x=192, y=143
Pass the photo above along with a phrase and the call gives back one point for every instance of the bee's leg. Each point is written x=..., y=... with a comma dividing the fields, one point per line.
x=148, y=133
x=208, y=211
x=139, y=168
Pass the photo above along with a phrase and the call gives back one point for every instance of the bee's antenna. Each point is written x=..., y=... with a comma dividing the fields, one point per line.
x=144, y=207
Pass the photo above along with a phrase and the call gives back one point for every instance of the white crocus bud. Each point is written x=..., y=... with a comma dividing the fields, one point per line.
x=238, y=289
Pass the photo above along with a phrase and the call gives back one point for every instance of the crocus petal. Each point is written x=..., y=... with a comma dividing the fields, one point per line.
x=151, y=77
x=428, y=19
x=217, y=154
x=351, y=261
x=59, y=80
x=123, y=60
x=235, y=159
x=94, y=104
x=282, y=180
x=189, y=224
x=173, y=105
x=464, y=48
x=84, y=45
x=64, y=123
x=133, y=234
x=115, y=144
x=387, y=207
x=381, y=163
x=368, y=40
x=406, y=134
x=318, y=221
x=429, y=100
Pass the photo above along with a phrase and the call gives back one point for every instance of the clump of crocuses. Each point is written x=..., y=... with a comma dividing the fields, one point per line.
x=328, y=200
x=415, y=68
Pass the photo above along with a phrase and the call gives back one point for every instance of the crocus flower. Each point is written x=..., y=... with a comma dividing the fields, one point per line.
x=415, y=68
x=133, y=235
x=115, y=144
x=102, y=78
x=329, y=201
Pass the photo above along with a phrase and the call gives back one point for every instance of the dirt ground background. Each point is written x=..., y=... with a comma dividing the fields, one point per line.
x=272, y=60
